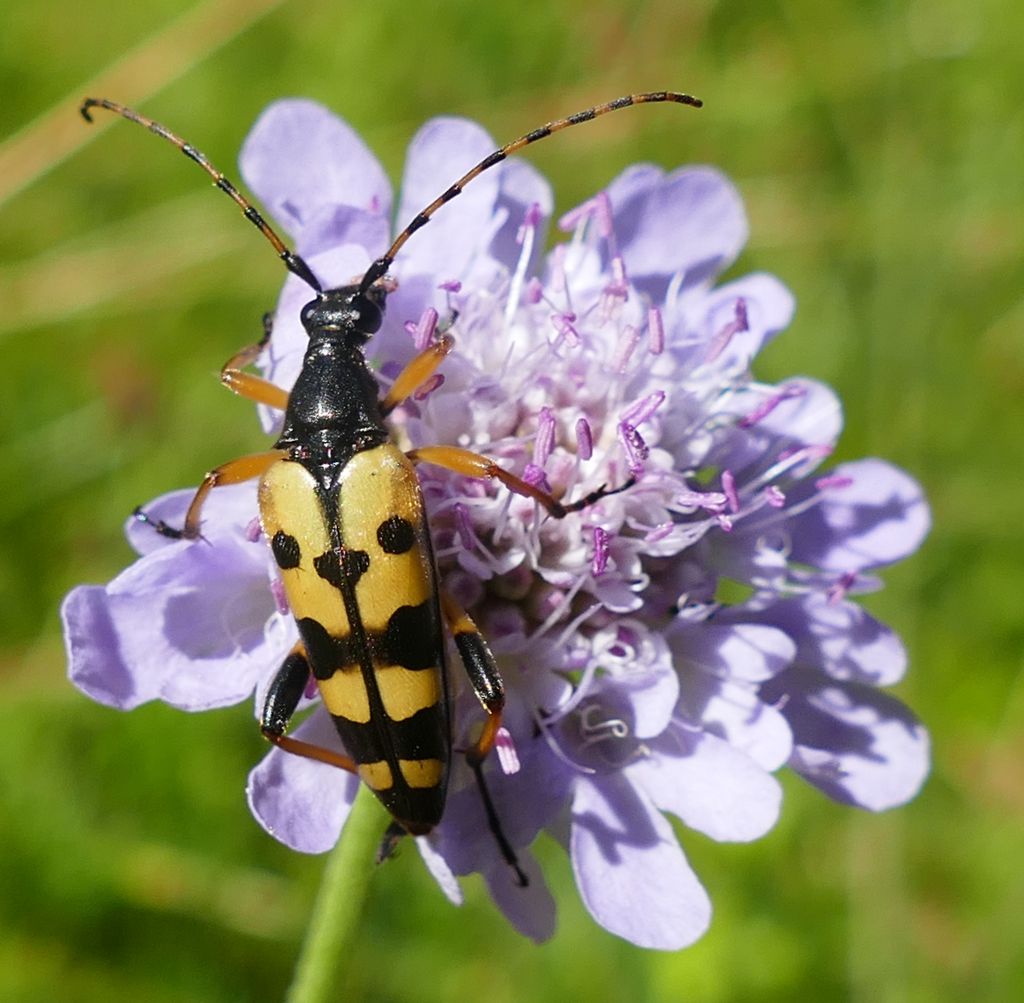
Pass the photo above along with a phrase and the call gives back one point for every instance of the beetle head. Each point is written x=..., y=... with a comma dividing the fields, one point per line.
x=348, y=312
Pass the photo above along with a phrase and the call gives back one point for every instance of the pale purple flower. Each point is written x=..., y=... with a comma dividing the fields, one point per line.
x=633, y=689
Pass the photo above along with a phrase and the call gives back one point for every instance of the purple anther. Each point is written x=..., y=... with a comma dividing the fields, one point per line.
x=279, y=596
x=451, y=286
x=505, y=750
x=766, y=407
x=531, y=220
x=736, y=326
x=534, y=291
x=423, y=332
x=639, y=411
x=636, y=449
x=563, y=324
x=732, y=498
x=626, y=346
x=253, y=531
x=584, y=439
x=655, y=331
x=599, y=562
x=544, y=443
x=534, y=476
x=774, y=497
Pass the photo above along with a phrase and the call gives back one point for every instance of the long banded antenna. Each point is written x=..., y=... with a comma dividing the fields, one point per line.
x=383, y=263
x=295, y=264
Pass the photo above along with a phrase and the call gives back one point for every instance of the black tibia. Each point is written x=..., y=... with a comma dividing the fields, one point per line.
x=284, y=693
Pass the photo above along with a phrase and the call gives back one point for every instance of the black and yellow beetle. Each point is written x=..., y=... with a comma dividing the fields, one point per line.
x=341, y=506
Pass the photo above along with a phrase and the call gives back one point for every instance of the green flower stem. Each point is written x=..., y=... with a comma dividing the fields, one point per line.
x=338, y=905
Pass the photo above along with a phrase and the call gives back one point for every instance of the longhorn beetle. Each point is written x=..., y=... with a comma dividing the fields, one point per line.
x=341, y=506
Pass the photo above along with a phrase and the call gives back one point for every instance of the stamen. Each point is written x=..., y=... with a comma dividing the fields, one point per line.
x=545, y=441
x=253, y=531
x=535, y=476
x=636, y=449
x=531, y=220
x=451, y=286
x=584, y=439
x=639, y=411
x=766, y=407
x=279, y=596
x=774, y=497
x=655, y=331
x=627, y=344
x=423, y=330
x=525, y=237
x=563, y=324
x=505, y=748
x=710, y=501
x=599, y=562
x=732, y=497
x=736, y=326
x=534, y=292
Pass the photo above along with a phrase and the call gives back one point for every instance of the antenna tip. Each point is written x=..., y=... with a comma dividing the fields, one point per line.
x=83, y=108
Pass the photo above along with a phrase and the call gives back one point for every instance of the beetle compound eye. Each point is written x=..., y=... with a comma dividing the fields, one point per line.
x=368, y=315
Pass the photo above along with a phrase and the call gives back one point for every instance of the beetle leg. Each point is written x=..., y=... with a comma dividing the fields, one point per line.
x=471, y=464
x=283, y=697
x=245, y=384
x=245, y=468
x=416, y=373
x=490, y=691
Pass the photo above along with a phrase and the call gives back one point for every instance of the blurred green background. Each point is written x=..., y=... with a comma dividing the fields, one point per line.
x=880, y=150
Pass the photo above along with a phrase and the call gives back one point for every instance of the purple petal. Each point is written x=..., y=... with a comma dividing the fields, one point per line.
x=443, y=150
x=630, y=870
x=840, y=638
x=531, y=910
x=709, y=785
x=299, y=801
x=691, y=220
x=300, y=158
x=858, y=745
x=735, y=712
x=880, y=517
x=746, y=651
x=186, y=624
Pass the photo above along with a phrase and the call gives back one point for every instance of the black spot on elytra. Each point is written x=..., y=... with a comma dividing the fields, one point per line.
x=411, y=638
x=286, y=550
x=396, y=535
x=334, y=566
x=327, y=654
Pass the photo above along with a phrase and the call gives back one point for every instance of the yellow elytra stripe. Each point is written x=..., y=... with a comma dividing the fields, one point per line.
x=288, y=502
x=405, y=691
x=344, y=695
x=421, y=772
x=377, y=485
x=377, y=776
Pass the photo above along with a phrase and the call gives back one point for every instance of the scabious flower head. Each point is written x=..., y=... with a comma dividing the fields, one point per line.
x=634, y=688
